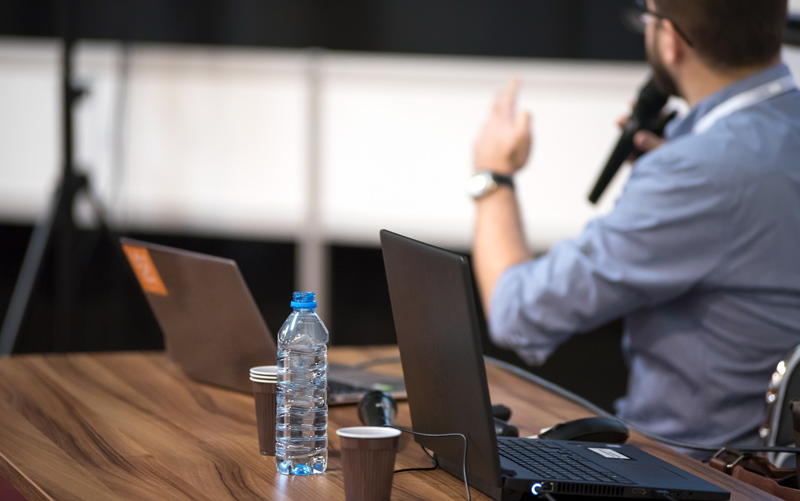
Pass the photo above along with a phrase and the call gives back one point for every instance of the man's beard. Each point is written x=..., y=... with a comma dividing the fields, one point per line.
x=661, y=76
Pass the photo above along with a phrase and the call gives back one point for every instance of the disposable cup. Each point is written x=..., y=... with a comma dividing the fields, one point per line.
x=266, y=408
x=265, y=370
x=368, y=454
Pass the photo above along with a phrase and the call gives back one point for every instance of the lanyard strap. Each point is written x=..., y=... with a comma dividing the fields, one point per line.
x=745, y=100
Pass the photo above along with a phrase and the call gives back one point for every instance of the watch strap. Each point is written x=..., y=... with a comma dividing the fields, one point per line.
x=503, y=180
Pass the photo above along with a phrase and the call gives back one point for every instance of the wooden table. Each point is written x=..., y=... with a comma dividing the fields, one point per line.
x=130, y=426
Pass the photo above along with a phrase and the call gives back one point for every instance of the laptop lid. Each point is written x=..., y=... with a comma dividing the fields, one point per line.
x=438, y=331
x=213, y=328
x=203, y=305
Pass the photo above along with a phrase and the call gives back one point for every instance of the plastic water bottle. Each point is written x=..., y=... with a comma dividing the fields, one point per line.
x=301, y=433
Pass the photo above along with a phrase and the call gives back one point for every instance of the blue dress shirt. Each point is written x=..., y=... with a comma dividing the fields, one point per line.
x=701, y=255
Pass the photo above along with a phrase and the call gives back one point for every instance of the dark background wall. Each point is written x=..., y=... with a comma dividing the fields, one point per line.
x=110, y=312
x=588, y=29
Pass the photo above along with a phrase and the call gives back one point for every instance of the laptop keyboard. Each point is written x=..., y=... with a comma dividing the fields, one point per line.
x=339, y=388
x=551, y=461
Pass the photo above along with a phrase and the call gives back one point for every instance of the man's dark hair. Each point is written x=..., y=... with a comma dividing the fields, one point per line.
x=729, y=33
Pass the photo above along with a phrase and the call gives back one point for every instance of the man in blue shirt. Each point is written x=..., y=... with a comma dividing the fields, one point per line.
x=701, y=254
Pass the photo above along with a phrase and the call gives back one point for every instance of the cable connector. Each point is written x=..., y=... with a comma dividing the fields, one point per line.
x=665, y=495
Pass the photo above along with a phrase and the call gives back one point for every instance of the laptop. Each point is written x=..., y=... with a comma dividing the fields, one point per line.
x=213, y=329
x=439, y=322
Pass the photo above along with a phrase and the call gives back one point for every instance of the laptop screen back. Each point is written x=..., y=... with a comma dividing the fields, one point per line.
x=211, y=324
x=438, y=332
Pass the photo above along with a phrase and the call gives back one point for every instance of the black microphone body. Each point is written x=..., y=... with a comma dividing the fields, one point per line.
x=504, y=429
x=644, y=117
x=377, y=408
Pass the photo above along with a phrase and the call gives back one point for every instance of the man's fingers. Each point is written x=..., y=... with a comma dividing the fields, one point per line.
x=523, y=123
x=646, y=141
x=508, y=99
x=504, y=142
x=505, y=102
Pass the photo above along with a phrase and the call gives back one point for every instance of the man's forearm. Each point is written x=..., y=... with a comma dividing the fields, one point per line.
x=499, y=241
x=502, y=147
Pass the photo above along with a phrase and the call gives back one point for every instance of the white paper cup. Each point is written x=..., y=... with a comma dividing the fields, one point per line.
x=266, y=411
x=265, y=370
x=368, y=454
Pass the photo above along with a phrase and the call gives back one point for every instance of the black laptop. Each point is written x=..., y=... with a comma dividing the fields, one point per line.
x=438, y=322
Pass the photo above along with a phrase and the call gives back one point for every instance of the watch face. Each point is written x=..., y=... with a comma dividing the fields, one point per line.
x=481, y=184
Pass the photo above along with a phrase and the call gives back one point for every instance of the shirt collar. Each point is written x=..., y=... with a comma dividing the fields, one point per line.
x=685, y=124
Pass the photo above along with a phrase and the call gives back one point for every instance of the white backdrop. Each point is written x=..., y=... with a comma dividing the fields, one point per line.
x=217, y=141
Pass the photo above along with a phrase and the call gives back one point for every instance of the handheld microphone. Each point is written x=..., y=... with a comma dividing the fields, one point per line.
x=504, y=429
x=377, y=408
x=645, y=116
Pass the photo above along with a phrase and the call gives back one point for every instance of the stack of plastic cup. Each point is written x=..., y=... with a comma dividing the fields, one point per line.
x=264, y=374
x=264, y=380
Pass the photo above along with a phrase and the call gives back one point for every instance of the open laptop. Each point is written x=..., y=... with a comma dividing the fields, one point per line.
x=213, y=328
x=438, y=322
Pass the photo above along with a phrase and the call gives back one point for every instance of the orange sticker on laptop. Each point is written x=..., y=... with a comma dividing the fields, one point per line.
x=145, y=270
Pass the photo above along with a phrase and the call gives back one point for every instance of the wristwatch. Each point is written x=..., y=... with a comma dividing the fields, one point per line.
x=485, y=182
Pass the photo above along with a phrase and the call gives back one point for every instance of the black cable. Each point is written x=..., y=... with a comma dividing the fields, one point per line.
x=601, y=412
x=548, y=496
x=438, y=435
x=429, y=468
x=665, y=495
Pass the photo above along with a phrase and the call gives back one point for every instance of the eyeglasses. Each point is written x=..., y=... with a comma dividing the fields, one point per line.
x=646, y=15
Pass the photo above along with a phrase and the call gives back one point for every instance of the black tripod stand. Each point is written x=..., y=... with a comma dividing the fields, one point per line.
x=56, y=230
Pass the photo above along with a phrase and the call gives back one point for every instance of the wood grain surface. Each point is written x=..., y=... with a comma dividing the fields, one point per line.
x=131, y=426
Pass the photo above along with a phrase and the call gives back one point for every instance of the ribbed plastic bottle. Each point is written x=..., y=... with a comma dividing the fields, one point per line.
x=301, y=432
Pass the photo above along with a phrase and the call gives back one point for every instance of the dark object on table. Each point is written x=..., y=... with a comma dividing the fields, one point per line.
x=377, y=408
x=500, y=411
x=593, y=429
x=504, y=429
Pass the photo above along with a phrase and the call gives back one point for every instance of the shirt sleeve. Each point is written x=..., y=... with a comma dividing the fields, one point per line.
x=662, y=238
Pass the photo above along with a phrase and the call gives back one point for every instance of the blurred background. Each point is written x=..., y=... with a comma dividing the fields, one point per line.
x=285, y=135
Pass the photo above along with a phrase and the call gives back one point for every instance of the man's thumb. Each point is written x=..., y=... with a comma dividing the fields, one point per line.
x=646, y=141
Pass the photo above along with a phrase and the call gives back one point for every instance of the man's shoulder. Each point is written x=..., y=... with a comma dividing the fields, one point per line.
x=683, y=158
x=739, y=149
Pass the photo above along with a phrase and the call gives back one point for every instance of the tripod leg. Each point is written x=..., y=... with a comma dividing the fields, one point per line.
x=105, y=232
x=28, y=275
x=64, y=241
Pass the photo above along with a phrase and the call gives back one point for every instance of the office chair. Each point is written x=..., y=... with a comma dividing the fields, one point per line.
x=777, y=429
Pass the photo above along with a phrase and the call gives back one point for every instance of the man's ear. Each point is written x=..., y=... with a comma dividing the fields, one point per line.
x=671, y=45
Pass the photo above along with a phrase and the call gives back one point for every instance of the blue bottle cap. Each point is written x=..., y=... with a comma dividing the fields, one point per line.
x=303, y=300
